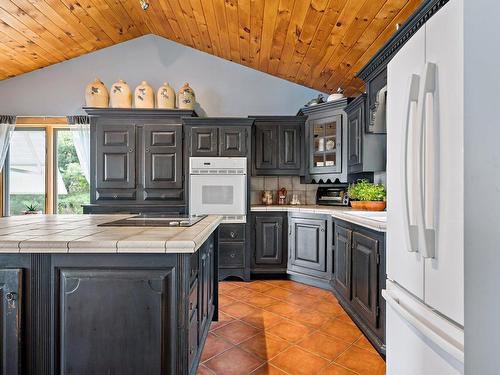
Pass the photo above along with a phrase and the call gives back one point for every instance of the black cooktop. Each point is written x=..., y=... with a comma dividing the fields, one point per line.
x=155, y=220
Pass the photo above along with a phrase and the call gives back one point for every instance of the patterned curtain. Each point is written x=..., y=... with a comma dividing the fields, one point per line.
x=80, y=130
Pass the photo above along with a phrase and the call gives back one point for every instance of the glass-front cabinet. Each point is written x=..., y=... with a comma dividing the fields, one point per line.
x=326, y=145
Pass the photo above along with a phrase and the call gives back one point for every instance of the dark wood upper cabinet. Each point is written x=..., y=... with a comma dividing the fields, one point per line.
x=266, y=140
x=309, y=245
x=289, y=147
x=365, y=259
x=342, y=272
x=278, y=145
x=354, y=134
x=116, y=156
x=11, y=321
x=163, y=156
x=366, y=152
x=204, y=141
x=326, y=139
x=218, y=136
x=136, y=160
x=233, y=141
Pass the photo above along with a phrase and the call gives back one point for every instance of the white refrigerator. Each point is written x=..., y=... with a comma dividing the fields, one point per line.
x=425, y=200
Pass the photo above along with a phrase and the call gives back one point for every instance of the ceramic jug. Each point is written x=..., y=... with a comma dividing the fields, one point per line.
x=144, y=96
x=186, y=97
x=121, y=96
x=96, y=94
x=165, y=97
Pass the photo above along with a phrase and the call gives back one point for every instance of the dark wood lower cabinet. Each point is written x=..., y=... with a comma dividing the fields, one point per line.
x=11, y=296
x=359, y=276
x=233, y=251
x=309, y=245
x=106, y=313
x=270, y=242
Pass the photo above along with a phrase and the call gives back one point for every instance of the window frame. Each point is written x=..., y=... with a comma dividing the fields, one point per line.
x=50, y=125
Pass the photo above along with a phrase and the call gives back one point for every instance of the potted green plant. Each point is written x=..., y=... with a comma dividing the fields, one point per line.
x=32, y=208
x=365, y=195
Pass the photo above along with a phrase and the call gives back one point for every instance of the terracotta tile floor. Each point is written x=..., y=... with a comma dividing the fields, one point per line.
x=284, y=327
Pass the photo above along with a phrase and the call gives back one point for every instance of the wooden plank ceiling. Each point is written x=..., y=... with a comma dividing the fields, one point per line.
x=317, y=43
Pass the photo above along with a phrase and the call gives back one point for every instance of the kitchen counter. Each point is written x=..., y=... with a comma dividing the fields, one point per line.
x=369, y=219
x=78, y=287
x=81, y=234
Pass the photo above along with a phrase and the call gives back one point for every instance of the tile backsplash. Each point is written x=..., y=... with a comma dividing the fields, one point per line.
x=305, y=192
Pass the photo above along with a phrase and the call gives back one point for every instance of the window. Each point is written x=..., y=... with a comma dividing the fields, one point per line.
x=71, y=187
x=42, y=172
x=25, y=167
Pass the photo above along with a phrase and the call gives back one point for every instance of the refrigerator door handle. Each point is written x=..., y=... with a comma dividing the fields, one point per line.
x=409, y=164
x=430, y=161
x=439, y=338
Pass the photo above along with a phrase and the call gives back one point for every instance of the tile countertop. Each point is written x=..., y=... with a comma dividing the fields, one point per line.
x=372, y=221
x=81, y=234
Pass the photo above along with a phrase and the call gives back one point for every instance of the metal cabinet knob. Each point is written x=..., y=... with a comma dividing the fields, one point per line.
x=115, y=196
x=232, y=234
x=322, y=229
x=147, y=149
x=11, y=296
x=232, y=255
x=130, y=150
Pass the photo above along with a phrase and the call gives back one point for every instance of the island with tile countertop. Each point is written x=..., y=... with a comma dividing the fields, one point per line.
x=81, y=298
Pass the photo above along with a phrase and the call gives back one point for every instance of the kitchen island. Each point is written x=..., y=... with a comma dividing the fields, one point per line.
x=79, y=298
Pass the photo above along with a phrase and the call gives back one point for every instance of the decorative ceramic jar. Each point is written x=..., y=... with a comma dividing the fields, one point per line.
x=165, y=97
x=121, y=96
x=186, y=99
x=144, y=96
x=96, y=94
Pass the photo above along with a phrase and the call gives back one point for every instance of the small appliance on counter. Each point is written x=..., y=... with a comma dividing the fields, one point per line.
x=332, y=195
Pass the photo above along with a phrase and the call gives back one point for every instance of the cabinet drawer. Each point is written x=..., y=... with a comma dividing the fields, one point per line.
x=193, y=300
x=232, y=232
x=193, y=340
x=231, y=255
x=114, y=194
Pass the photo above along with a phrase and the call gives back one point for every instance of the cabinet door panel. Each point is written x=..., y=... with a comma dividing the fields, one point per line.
x=233, y=141
x=365, y=276
x=163, y=156
x=115, y=156
x=266, y=150
x=96, y=308
x=354, y=133
x=269, y=240
x=10, y=297
x=325, y=145
x=342, y=274
x=289, y=147
x=204, y=141
x=309, y=245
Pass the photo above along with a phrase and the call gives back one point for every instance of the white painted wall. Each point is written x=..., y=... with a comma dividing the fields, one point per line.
x=223, y=88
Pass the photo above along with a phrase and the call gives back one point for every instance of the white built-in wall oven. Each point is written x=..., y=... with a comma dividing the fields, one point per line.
x=218, y=186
